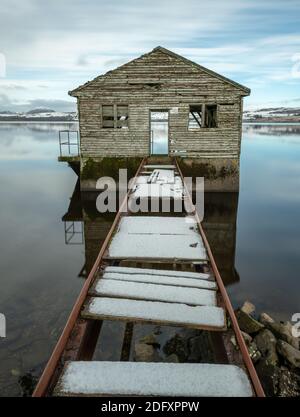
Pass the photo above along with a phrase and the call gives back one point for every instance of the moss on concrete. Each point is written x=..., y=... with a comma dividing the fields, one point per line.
x=210, y=170
x=92, y=169
x=68, y=159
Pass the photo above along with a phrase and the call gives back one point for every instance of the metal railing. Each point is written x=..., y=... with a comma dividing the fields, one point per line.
x=69, y=143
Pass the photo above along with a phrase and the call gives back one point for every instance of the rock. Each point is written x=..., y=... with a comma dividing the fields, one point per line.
x=293, y=340
x=15, y=372
x=150, y=339
x=177, y=345
x=157, y=331
x=264, y=318
x=233, y=341
x=195, y=349
x=145, y=353
x=266, y=343
x=200, y=349
x=247, y=323
x=254, y=353
x=27, y=383
x=172, y=358
x=248, y=339
x=269, y=376
x=188, y=333
x=283, y=331
x=248, y=307
x=289, y=384
x=291, y=354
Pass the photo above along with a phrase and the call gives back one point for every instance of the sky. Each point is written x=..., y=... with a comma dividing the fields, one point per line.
x=50, y=47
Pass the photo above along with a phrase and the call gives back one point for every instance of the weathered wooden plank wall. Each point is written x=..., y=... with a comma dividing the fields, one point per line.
x=160, y=81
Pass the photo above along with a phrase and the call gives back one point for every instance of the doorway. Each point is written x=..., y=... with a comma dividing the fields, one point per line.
x=159, y=132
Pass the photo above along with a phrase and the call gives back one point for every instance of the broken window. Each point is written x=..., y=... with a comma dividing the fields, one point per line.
x=114, y=116
x=211, y=115
x=195, y=117
x=203, y=115
x=122, y=117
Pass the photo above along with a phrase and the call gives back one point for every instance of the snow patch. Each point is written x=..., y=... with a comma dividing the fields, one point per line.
x=169, y=313
x=157, y=272
x=160, y=279
x=155, y=292
x=161, y=379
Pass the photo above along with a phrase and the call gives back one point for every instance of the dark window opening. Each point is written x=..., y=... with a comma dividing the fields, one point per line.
x=108, y=117
x=202, y=115
x=211, y=115
x=114, y=116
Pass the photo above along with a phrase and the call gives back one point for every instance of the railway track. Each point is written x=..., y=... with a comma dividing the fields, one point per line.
x=156, y=269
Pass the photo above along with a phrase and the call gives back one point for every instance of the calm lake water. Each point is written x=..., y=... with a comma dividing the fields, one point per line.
x=50, y=237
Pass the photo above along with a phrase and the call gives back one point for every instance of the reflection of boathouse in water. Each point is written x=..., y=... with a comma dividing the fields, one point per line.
x=85, y=225
x=159, y=104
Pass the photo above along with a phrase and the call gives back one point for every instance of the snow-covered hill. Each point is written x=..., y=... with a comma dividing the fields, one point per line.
x=38, y=115
x=277, y=114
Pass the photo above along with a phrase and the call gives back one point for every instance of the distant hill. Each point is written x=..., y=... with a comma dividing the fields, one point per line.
x=273, y=115
x=38, y=115
x=38, y=111
x=6, y=112
x=270, y=115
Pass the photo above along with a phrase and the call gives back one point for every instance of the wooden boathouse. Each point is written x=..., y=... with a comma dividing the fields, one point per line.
x=161, y=104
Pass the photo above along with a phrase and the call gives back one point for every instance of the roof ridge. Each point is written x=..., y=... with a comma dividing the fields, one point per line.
x=209, y=71
x=172, y=54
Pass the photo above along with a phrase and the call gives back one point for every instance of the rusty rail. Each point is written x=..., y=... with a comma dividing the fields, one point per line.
x=50, y=368
x=241, y=342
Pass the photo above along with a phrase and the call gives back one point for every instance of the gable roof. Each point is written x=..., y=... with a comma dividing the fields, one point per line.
x=246, y=90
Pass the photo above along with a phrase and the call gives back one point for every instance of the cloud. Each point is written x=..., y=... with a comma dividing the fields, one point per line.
x=59, y=45
x=5, y=102
x=13, y=87
x=294, y=100
x=66, y=34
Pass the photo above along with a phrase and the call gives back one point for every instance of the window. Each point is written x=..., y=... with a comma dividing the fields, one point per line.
x=108, y=117
x=114, y=117
x=211, y=115
x=195, y=117
x=122, y=117
x=203, y=115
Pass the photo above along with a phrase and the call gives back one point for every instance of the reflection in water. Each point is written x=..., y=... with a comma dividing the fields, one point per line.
x=31, y=140
x=87, y=222
x=256, y=233
x=272, y=129
x=220, y=215
x=287, y=133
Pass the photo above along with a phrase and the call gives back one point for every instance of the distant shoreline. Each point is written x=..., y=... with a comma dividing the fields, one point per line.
x=39, y=121
x=252, y=122
x=271, y=122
